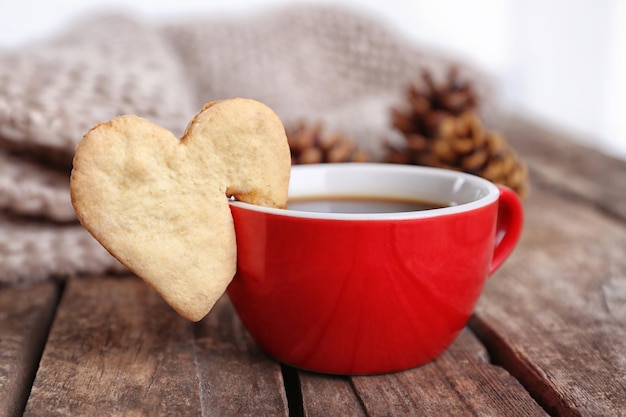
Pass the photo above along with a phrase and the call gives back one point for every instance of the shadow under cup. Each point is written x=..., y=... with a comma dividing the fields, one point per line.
x=369, y=293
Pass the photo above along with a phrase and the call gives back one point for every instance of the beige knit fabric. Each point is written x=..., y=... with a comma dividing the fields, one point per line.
x=317, y=63
x=51, y=93
x=324, y=63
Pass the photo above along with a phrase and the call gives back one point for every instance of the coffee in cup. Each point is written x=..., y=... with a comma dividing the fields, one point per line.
x=353, y=292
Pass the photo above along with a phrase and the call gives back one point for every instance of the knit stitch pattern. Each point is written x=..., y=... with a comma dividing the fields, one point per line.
x=52, y=93
x=319, y=62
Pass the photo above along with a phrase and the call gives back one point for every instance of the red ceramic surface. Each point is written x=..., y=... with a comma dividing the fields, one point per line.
x=360, y=296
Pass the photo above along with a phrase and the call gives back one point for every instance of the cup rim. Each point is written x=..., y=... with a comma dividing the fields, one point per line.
x=459, y=178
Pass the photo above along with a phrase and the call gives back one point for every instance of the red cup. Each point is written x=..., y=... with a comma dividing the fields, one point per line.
x=370, y=293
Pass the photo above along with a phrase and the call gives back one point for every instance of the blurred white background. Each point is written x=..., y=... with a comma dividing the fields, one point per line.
x=562, y=62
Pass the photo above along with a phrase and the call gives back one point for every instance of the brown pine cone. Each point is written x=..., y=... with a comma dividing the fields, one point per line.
x=463, y=144
x=310, y=146
x=428, y=106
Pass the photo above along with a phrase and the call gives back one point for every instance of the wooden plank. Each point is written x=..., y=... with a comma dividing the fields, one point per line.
x=116, y=349
x=461, y=382
x=236, y=377
x=560, y=163
x=25, y=317
x=325, y=395
x=555, y=314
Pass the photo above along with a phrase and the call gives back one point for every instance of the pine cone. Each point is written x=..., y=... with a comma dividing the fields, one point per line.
x=309, y=146
x=463, y=144
x=432, y=102
x=442, y=129
x=429, y=106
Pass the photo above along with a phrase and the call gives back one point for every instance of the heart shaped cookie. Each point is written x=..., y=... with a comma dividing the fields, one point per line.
x=160, y=205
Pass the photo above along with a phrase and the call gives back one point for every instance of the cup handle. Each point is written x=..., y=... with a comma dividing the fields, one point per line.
x=509, y=227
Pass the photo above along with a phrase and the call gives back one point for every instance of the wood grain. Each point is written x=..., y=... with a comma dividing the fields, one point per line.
x=25, y=317
x=236, y=377
x=325, y=395
x=116, y=349
x=461, y=382
x=555, y=314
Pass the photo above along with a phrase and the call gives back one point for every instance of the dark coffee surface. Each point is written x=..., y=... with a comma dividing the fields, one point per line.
x=358, y=204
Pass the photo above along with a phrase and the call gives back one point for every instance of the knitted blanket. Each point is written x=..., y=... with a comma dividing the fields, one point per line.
x=316, y=63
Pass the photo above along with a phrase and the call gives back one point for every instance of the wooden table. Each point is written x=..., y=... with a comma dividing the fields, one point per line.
x=547, y=338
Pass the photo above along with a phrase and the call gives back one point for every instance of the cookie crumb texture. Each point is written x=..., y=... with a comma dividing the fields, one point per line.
x=159, y=204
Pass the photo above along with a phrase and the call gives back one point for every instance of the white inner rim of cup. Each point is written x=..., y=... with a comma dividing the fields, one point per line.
x=458, y=191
